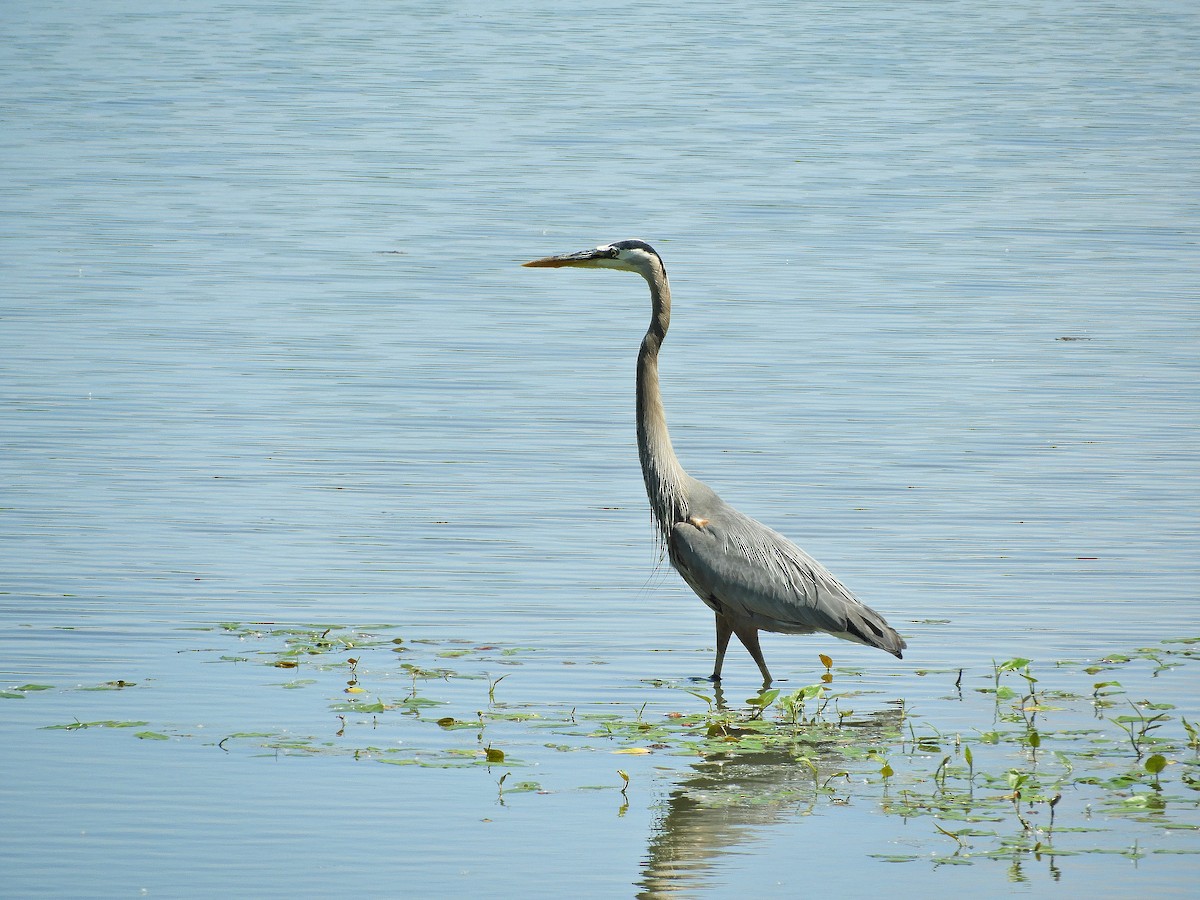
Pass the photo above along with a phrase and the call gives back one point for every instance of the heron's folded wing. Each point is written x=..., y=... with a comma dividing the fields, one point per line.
x=759, y=574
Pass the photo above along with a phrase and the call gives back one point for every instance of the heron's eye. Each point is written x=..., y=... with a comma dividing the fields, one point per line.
x=613, y=252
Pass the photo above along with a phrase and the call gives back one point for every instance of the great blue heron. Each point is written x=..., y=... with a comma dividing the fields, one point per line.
x=753, y=578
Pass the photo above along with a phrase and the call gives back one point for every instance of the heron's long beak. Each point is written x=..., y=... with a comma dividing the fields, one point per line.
x=582, y=258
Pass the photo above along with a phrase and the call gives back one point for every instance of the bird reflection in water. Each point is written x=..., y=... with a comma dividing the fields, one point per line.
x=726, y=800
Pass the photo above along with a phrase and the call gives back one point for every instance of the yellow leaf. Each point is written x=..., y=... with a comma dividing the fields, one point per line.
x=634, y=751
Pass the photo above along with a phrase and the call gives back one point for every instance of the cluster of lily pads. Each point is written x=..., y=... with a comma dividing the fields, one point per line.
x=1051, y=772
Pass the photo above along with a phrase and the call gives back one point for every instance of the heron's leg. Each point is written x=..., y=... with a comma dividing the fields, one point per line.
x=748, y=635
x=724, y=632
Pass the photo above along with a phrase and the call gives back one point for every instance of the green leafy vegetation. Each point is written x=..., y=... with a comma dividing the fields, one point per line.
x=1036, y=762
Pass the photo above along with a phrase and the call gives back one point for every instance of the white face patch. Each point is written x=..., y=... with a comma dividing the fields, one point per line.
x=629, y=259
x=641, y=257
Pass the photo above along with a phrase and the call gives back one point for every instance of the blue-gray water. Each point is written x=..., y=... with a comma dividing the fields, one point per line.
x=267, y=355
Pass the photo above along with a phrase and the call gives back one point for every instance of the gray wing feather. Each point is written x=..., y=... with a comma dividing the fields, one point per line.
x=756, y=574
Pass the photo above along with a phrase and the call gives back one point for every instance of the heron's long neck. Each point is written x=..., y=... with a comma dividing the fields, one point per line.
x=660, y=467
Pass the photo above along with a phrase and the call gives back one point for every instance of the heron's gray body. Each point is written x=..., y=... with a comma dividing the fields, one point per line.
x=752, y=578
x=749, y=573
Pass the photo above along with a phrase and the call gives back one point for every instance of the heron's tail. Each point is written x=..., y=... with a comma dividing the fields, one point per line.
x=865, y=626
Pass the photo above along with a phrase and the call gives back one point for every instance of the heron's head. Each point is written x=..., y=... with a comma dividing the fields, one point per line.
x=628, y=256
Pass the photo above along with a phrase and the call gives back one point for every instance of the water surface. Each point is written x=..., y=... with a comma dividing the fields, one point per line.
x=267, y=356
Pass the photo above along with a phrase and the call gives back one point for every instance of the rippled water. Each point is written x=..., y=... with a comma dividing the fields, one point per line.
x=266, y=355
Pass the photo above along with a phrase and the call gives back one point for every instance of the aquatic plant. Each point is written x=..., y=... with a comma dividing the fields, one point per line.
x=1025, y=780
